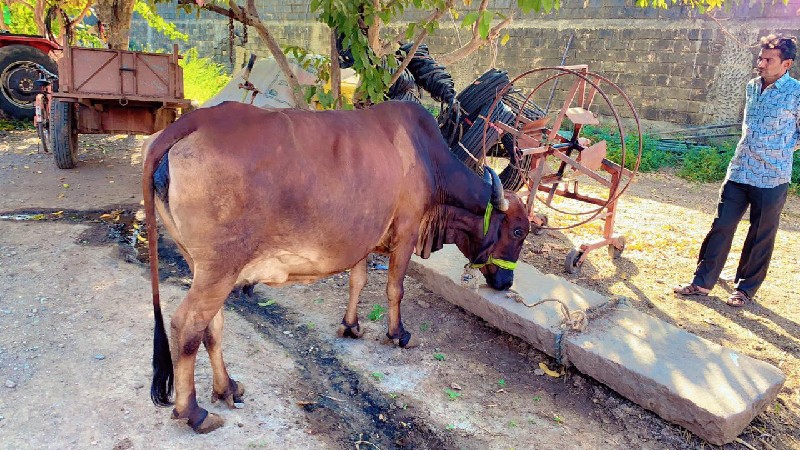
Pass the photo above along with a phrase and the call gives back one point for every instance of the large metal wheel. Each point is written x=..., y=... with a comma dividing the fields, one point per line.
x=18, y=74
x=562, y=157
x=63, y=134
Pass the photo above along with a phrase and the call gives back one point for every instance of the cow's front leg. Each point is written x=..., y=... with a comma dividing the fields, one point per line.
x=358, y=279
x=189, y=324
x=225, y=388
x=398, y=265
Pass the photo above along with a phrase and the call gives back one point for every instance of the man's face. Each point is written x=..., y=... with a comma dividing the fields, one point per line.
x=770, y=67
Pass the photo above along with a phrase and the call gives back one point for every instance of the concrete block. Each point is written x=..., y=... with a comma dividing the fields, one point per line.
x=712, y=391
x=539, y=326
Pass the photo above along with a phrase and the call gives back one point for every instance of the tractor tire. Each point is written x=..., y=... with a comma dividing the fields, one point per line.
x=18, y=73
x=63, y=134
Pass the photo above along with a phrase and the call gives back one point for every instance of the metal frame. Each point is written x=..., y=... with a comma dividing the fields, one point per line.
x=541, y=139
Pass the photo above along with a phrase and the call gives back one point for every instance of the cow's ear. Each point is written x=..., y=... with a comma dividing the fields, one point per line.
x=489, y=240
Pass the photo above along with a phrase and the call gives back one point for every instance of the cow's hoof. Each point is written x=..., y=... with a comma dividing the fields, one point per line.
x=234, y=394
x=209, y=424
x=353, y=331
x=407, y=341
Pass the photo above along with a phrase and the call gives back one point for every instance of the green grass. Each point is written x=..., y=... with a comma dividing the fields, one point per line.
x=15, y=125
x=652, y=158
x=377, y=313
x=202, y=77
x=701, y=164
x=706, y=164
x=451, y=394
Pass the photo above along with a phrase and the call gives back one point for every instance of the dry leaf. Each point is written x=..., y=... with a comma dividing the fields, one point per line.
x=547, y=371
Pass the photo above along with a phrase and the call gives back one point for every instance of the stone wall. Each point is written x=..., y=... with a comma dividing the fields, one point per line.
x=677, y=66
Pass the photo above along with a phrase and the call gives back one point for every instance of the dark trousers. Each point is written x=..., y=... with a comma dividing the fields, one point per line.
x=765, y=212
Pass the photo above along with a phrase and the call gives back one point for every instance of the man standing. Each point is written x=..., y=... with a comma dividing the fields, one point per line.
x=758, y=176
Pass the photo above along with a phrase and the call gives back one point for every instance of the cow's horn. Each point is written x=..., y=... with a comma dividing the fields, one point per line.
x=498, y=200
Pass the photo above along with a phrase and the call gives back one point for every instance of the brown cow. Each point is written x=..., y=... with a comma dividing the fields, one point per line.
x=285, y=196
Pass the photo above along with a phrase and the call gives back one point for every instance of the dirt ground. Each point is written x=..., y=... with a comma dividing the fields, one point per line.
x=76, y=330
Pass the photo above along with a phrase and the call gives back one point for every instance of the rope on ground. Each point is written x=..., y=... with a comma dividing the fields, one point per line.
x=361, y=442
x=573, y=320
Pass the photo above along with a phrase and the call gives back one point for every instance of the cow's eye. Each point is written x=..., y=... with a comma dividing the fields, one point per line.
x=517, y=232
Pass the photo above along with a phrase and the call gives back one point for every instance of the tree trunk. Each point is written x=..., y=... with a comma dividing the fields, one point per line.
x=116, y=17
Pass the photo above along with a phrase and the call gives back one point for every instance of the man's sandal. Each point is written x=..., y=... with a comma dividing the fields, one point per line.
x=690, y=289
x=738, y=299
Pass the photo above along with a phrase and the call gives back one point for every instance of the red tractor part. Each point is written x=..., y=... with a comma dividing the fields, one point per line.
x=20, y=57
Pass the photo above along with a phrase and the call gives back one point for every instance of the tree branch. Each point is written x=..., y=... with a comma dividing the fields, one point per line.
x=272, y=44
x=83, y=13
x=374, y=30
x=435, y=15
x=336, y=74
x=476, y=41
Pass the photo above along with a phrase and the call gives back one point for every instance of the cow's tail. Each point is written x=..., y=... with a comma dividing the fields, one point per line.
x=163, y=374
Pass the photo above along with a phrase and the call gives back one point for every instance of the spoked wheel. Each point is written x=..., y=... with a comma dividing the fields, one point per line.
x=577, y=169
x=573, y=170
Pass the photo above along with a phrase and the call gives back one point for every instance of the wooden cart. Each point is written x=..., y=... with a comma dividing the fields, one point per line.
x=103, y=91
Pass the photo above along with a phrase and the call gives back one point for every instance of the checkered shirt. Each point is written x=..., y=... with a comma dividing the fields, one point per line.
x=770, y=133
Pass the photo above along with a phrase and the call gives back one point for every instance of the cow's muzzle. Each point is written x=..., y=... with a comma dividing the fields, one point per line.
x=500, y=279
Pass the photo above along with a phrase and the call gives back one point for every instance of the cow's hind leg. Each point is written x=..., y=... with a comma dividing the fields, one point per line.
x=225, y=388
x=358, y=279
x=398, y=265
x=189, y=325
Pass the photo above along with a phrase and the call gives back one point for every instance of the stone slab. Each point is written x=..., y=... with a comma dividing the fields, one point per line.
x=711, y=390
x=539, y=326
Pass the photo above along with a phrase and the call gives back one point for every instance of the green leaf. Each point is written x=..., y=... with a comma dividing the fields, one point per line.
x=269, y=302
x=486, y=24
x=469, y=19
x=410, y=30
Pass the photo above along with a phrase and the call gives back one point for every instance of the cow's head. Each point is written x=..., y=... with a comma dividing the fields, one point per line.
x=505, y=227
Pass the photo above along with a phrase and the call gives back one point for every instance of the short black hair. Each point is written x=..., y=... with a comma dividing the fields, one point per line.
x=786, y=44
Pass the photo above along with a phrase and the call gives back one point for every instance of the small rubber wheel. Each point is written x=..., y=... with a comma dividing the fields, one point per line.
x=539, y=230
x=571, y=264
x=614, y=252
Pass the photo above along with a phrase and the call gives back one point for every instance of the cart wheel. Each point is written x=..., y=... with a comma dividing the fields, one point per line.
x=615, y=252
x=539, y=230
x=63, y=137
x=571, y=264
